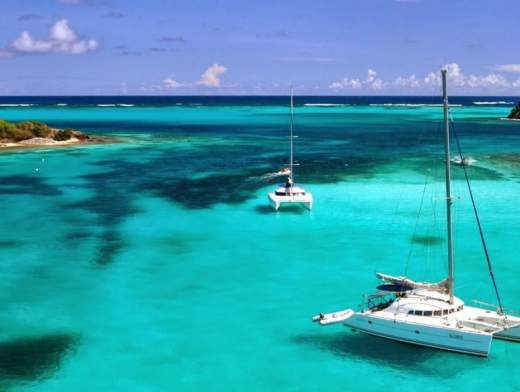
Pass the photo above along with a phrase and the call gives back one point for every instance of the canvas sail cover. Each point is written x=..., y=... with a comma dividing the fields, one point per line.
x=403, y=281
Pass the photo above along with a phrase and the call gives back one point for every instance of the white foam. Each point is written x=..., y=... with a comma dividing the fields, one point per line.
x=16, y=104
x=413, y=105
x=493, y=103
x=326, y=104
x=113, y=105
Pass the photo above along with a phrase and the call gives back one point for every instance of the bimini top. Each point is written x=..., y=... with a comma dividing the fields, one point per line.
x=394, y=288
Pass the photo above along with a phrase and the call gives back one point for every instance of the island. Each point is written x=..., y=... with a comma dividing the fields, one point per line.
x=35, y=133
x=515, y=113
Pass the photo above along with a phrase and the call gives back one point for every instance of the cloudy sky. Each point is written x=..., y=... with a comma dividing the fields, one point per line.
x=347, y=47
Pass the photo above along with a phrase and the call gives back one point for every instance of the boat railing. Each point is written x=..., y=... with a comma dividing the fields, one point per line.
x=379, y=300
x=494, y=307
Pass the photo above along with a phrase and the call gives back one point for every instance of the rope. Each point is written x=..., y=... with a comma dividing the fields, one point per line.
x=479, y=225
x=416, y=224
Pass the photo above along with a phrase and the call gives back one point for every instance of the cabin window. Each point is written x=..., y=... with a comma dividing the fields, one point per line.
x=452, y=310
x=437, y=313
x=418, y=312
x=427, y=312
x=445, y=312
x=460, y=308
x=410, y=312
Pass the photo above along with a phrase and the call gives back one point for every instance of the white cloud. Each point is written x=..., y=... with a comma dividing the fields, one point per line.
x=456, y=77
x=371, y=81
x=432, y=79
x=508, y=68
x=62, y=32
x=171, y=83
x=371, y=75
x=62, y=39
x=377, y=84
x=211, y=77
x=407, y=81
x=346, y=83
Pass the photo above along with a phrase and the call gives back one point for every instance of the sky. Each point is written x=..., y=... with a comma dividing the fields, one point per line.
x=250, y=47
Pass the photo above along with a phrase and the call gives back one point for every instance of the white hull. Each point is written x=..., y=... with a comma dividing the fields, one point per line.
x=442, y=337
x=277, y=201
x=512, y=334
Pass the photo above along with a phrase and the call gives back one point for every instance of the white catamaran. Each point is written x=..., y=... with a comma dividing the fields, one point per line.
x=290, y=193
x=429, y=314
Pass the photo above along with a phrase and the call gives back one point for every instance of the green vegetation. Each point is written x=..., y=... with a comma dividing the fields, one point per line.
x=23, y=130
x=64, y=134
x=16, y=132
x=515, y=113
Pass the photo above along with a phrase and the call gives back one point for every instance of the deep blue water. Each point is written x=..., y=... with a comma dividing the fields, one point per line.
x=251, y=100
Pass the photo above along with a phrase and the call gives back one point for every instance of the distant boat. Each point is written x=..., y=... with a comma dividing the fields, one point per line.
x=462, y=161
x=429, y=314
x=290, y=193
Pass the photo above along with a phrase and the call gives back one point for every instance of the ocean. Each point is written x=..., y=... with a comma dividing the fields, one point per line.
x=156, y=264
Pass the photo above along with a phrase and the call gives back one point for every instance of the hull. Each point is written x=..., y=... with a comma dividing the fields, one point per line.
x=278, y=201
x=512, y=334
x=443, y=338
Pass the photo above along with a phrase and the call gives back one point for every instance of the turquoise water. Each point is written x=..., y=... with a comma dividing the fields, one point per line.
x=155, y=263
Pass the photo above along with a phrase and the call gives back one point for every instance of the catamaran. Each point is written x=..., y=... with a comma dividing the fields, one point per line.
x=429, y=314
x=290, y=193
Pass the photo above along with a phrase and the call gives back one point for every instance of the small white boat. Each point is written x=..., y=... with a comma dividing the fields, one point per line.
x=429, y=314
x=290, y=193
x=462, y=161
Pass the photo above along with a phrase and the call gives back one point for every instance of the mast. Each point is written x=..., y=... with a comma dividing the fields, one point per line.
x=291, y=164
x=449, y=201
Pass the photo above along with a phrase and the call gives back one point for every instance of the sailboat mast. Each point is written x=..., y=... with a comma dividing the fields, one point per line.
x=448, y=184
x=291, y=164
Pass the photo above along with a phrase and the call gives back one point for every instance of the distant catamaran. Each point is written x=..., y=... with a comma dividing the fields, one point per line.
x=289, y=192
x=429, y=314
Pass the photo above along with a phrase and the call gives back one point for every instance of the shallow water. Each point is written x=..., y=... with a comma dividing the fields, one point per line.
x=156, y=264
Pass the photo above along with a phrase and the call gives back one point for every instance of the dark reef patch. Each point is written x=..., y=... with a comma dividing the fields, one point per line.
x=77, y=235
x=111, y=245
x=227, y=162
x=476, y=172
x=34, y=358
x=427, y=240
x=176, y=245
x=8, y=244
x=24, y=184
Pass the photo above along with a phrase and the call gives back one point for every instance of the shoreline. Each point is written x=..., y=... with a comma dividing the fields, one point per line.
x=39, y=142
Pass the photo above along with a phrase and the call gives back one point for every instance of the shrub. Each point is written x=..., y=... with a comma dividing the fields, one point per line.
x=64, y=134
x=36, y=128
x=515, y=113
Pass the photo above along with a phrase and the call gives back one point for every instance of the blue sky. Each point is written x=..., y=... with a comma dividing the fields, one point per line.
x=365, y=47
